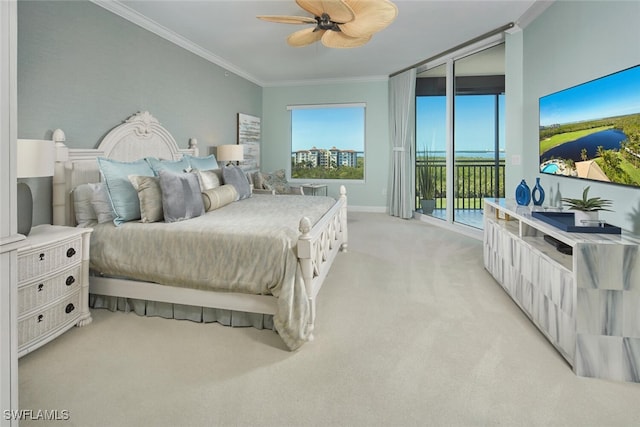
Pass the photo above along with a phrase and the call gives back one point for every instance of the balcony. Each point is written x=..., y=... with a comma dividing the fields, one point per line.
x=475, y=179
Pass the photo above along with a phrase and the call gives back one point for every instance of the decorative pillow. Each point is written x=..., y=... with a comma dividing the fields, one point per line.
x=177, y=166
x=218, y=197
x=209, y=179
x=150, y=195
x=124, y=198
x=85, y=215
x=202, y=163
x=181, y=197
x=277, y=181
x=101, y=203
x=258, y=181
x=233, y=175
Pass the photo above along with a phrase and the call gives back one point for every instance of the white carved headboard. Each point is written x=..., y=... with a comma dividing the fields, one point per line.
x=141, y=135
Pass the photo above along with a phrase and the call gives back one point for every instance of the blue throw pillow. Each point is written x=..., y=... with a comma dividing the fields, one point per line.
x=202, y=163
x=123, y=197
x=175, y=166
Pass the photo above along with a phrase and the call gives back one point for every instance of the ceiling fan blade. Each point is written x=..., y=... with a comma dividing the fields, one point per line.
x=336, y=39
x=371, y=17
x=338, y=10
x=283, y=19
x=305, y=37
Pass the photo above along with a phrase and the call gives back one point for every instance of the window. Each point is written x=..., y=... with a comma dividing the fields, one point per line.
x=327, y=141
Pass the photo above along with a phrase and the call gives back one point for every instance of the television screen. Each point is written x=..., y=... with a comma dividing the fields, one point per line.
x=592, y=131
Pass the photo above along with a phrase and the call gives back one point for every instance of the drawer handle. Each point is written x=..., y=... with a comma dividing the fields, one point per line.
x=40, y=287
x=70, y=252
x=40, y=318
x=70, y=280
x=69, y=308
x=41, y=256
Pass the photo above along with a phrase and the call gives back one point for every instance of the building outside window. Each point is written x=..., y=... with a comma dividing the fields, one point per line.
x=328, y=141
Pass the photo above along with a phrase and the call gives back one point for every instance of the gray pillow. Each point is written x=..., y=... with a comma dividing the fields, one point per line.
x=233, y=175
x=181, y=198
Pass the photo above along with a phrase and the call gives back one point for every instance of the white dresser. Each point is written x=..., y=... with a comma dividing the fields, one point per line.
x=53, y=284
x=586, y=304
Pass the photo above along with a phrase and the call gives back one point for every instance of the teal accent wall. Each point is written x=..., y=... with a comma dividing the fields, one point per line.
x=568, y=44
x=84, y=70
x=276, y=139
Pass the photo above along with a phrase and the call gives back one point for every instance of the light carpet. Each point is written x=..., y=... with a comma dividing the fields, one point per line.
x=411, y=330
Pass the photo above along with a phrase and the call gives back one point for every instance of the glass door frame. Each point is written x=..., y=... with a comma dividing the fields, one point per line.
x=449, y=61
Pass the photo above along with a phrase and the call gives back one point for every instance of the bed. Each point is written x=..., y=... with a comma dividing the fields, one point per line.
x=266, y=254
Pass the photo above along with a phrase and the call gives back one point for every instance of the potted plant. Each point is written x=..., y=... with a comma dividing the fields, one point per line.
x=586, y=209
x=426, y=185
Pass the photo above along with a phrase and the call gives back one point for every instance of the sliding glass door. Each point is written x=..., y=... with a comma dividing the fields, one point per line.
x=431, y=143
x=460, y=136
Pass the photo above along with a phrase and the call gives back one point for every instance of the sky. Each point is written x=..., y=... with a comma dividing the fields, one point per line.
x=342, y=127
x=474, y=123
x=613, y=95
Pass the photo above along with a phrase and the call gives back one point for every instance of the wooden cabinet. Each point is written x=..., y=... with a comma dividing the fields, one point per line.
x=53, y=284
x=585, y=303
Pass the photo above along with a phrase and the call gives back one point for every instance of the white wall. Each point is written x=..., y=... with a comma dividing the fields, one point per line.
x=570, y=43
x=276, y=126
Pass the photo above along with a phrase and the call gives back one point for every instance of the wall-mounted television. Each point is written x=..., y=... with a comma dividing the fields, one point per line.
x=592, y=130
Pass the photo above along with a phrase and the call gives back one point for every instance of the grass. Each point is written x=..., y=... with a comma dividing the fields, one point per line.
x=561, y=138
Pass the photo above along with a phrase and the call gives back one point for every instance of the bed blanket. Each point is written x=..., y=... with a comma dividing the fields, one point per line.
x=247, y=246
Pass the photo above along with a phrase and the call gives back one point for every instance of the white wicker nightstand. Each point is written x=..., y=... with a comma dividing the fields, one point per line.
x=53, y=284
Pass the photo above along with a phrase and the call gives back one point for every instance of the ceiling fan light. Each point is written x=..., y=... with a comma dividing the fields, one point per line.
x=338, y=10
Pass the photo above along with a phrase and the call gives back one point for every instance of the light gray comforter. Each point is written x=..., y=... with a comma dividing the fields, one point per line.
x=248, y=246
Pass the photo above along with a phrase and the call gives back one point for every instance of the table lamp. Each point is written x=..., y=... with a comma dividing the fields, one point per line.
x=230, y=153
x=36, y=158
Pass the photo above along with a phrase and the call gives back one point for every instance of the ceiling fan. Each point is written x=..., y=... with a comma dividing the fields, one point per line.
x=338, y=23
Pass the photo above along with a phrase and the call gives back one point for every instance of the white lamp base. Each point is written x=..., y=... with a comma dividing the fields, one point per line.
x=25, y=209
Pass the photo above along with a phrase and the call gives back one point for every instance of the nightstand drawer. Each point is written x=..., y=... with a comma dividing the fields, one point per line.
x=50, y=318
x=35, y=263
x=41, y=292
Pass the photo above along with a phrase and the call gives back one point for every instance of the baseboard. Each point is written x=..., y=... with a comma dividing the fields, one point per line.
x=458, y=228
x=370, y=209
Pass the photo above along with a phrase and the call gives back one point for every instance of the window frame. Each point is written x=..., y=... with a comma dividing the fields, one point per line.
x=289, y=170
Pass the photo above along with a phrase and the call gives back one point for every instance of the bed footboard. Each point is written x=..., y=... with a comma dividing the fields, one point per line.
x=319, y=245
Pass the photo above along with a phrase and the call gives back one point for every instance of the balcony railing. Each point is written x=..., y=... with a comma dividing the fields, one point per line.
x=475, y=179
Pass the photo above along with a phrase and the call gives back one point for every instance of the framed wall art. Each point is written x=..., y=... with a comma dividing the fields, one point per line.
x=249, y=137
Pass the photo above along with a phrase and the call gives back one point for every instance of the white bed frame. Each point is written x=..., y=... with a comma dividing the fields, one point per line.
x=142, y=135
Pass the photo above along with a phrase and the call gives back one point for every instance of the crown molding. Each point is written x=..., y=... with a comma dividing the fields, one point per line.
x=133, y=16
x=532, y=13
x=318, y=82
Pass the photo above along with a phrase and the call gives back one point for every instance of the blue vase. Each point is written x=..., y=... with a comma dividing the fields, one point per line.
x=523, y=194
x=538, y=193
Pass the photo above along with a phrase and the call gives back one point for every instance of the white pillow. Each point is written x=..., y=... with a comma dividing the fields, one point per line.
x=209, y=179
x=85, y=214
x=101, y=203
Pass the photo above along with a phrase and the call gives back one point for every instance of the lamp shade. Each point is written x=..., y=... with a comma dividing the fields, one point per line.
x=230, y=153
x=36, y=158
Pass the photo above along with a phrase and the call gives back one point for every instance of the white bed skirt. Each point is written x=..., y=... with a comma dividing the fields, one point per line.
x=182, y=312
